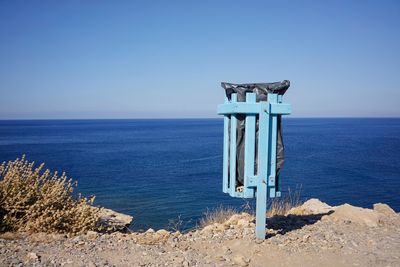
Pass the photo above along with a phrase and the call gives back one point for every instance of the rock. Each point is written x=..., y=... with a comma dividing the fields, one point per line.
x=218, y=227
x=114, y=221
x=311, y=207
x=384, y=209
x=32, y=256
x=243, y=223
x=177, y=234
x=163, y=232
x=233, y=220
x=247, y=216
x=306, y=237
x=361, y=216
x=213, y=228
x=150, y=231
x=92, y=235
x=220, y=258
x=207, y=229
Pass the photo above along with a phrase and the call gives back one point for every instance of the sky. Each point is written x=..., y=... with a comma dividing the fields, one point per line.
x=166, y=59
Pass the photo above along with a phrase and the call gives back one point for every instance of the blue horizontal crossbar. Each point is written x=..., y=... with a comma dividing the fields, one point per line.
x=280, y=108
x=254, y=108
x=234, y=108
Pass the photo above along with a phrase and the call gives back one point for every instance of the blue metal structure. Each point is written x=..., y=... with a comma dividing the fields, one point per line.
x=262, y=184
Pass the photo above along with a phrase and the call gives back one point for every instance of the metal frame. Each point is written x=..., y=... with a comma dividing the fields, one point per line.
x=261, y=184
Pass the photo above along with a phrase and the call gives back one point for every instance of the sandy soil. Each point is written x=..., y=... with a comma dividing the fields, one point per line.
x=313, y=234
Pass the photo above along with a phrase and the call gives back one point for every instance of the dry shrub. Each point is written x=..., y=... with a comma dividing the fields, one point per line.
x=36, y=200
x=280, y=206
x=217, y=215
x=175, y=224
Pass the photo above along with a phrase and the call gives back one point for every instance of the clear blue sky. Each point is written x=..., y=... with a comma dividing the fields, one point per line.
x=141, y=59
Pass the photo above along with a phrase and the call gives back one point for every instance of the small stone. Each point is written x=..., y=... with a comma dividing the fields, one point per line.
x=177, y=234
x=218, y=227
x=220, y=258
x=163, y=232
x=207, y=229
x=233, y=220
x=243, y=223
x=150, y=231
x=92, y=235
x=305, y=238
x=32, y=256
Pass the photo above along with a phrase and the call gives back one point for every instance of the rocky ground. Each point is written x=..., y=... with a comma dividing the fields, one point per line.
x=313, y=234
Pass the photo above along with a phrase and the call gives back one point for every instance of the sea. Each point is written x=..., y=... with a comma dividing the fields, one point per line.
x=169, y=171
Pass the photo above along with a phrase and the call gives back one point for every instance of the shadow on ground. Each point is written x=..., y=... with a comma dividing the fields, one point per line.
x=284, y=224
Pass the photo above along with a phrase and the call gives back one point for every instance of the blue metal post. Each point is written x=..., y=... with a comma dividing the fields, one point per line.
x=272, y=98
x=249, y=149
x=232, y=151
x=226, y=151
x=261, y=193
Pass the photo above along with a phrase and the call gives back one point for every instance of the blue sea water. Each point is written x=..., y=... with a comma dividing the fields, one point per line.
x=157, y=170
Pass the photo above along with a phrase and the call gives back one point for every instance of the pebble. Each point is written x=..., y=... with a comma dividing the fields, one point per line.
x=32, y=256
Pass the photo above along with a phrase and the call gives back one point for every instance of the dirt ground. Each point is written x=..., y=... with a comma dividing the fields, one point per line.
x=313, y=234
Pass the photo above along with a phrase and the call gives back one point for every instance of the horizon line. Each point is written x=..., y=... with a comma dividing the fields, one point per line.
x=201, y=118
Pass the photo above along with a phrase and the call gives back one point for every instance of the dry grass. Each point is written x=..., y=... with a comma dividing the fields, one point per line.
x=280, y=206
x=175, y=224
x=217, y=215
x=36, y=200
x=277, y=207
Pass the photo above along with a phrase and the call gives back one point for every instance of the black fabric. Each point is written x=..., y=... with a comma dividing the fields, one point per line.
x=261, y=90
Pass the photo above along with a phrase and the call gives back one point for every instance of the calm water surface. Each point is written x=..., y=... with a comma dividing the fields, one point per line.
x=157, y=170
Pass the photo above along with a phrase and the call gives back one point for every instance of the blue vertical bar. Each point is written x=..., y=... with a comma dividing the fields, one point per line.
x=279, y=98
x=226, y=152
x=263, y=141
x=232, y=152
x=249, y=148
x=272, y=98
